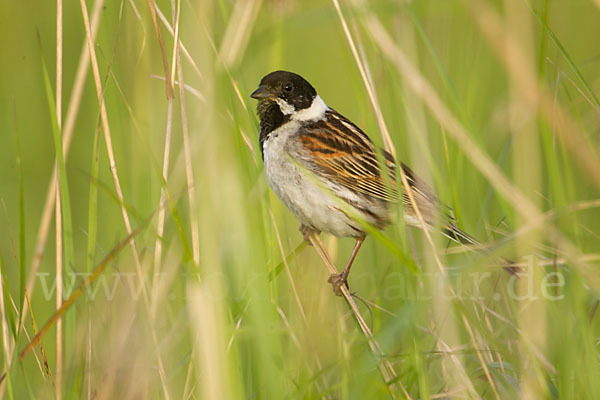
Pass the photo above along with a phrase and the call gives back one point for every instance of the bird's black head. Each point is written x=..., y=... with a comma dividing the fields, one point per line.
x=290, y=91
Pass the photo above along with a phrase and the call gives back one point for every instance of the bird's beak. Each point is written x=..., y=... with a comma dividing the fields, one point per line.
x=260, y=93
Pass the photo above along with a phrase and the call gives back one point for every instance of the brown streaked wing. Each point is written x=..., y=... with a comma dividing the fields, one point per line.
x=336, y=149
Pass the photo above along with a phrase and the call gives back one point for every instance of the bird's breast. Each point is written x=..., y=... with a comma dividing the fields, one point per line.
x=311, y=202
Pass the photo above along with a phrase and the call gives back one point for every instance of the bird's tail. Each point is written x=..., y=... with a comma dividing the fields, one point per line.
x=454, y=233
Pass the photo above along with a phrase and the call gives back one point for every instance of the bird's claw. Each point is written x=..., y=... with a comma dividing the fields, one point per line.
x=337, y=281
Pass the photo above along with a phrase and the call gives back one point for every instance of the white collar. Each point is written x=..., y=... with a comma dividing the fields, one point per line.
x=315, y=111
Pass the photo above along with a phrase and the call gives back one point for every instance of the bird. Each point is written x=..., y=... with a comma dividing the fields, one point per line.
x=328, y=172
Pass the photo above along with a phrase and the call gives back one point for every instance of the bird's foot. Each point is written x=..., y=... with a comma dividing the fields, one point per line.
x=307, y=231
x=337, y=281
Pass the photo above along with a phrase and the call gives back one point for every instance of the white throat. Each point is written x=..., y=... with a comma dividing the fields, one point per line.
x=315, y=111
x=285, y=107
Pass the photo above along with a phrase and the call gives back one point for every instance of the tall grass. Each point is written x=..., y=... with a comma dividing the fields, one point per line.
x=130, y=171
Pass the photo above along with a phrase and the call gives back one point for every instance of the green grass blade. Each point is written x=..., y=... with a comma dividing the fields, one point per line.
x=63, y=181
x=19, y=164
x=543, y=40
x=566, y=56
x=7, y=297
x=93, y=204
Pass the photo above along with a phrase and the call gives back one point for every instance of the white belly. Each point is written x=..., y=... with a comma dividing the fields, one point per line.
x=313, y=205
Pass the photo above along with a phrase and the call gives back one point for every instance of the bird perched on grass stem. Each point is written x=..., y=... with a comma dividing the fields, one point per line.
x=326, y=170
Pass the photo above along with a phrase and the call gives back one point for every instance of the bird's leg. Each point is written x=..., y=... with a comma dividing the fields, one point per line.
x=338, y=280
x=307, y=231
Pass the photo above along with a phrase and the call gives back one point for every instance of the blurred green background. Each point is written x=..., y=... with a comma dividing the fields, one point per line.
x=194, y=313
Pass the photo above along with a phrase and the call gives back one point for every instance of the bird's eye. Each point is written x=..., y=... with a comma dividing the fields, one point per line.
x=288, y=87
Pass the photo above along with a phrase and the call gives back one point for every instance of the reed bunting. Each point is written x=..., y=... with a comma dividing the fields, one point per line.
x=325, y=169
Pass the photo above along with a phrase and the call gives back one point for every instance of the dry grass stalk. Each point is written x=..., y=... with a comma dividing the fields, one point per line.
x=59, y=295
x=387, y=140
x=386, y=368
x=59, y=266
